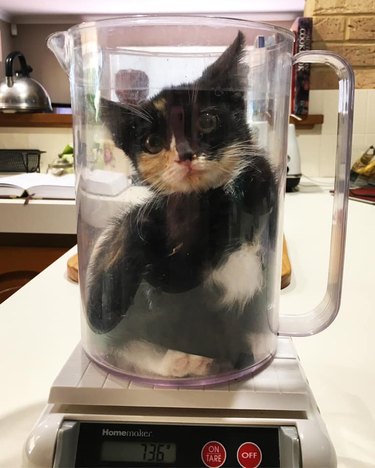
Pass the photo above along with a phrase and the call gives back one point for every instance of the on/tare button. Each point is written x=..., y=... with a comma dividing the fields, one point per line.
x=213, y=454
x=249, y=455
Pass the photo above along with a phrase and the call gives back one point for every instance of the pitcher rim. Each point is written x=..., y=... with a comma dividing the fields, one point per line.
x=134, y=18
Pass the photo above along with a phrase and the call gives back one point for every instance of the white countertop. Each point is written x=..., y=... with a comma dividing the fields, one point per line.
x=40, y=328
x=38, y=216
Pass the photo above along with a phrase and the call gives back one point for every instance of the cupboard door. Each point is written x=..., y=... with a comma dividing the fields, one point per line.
x=12, y=281
x=19, y=264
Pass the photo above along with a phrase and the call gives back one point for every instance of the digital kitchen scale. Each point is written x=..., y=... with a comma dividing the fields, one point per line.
x=97, y=419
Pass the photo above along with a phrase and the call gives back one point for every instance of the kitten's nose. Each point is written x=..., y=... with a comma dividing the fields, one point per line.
x=177, y=123
x=185, y=153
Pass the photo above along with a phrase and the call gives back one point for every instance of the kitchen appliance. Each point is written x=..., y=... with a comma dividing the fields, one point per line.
x=107, y=413
x=293, y=175
x=96, y=419
x=19, y=92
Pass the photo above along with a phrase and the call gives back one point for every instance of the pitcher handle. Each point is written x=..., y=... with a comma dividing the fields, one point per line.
x=321, y=316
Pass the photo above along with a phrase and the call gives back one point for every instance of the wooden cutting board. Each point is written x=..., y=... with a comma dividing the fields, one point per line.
x=286, y=267
x=286, y=272
x=72, y=268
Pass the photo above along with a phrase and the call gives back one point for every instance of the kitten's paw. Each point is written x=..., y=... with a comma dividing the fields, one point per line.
x=179, y=364
x=147, y=359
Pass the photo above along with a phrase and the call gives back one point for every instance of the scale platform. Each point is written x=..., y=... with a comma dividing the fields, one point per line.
x=97, y=419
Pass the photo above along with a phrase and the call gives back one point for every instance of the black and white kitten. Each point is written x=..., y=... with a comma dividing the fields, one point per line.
x=177, y=284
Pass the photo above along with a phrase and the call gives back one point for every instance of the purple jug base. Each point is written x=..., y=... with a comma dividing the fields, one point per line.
x=190, y=382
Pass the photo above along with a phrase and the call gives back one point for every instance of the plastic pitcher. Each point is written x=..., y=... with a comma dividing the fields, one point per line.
x=180, y=133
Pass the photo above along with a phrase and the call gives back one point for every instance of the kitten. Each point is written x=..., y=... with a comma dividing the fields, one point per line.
x=177, y=284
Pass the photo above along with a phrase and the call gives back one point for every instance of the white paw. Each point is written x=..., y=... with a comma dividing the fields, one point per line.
x=179, y=364
x=147, y=359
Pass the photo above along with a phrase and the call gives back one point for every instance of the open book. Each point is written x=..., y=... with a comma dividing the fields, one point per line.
x=37, y=185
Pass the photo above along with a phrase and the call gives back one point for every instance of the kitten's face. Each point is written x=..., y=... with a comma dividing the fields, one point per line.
x=188, y=138
x=188, y=142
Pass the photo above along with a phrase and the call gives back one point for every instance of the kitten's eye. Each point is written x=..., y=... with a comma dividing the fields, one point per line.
x=154, y=143
x=207, y=122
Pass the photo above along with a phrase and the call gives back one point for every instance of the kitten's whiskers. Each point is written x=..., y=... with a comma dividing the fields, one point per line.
x=138, y=111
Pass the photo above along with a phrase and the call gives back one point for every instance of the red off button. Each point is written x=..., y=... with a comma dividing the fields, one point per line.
x=213, y=454
x=249, y=455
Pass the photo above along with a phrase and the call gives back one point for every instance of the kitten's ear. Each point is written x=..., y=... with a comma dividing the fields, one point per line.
x=114, y=116
x=229, y=71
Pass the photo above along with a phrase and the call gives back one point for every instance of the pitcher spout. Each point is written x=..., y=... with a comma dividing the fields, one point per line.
x=58, y=43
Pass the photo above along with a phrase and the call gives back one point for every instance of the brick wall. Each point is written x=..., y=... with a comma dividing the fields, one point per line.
x=348, y=28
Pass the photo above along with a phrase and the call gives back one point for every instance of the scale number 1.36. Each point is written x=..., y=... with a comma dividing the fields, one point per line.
x=138, y=452
x=159, y=452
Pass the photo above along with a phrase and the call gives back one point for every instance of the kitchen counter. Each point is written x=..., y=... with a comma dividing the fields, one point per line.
x=40, y=328
x=38, y=216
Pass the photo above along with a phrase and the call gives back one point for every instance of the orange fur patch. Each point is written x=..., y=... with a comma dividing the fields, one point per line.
x=152, y=166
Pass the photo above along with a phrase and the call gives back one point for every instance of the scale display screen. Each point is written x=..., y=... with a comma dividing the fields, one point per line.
x=145, y=452
x=101, y=444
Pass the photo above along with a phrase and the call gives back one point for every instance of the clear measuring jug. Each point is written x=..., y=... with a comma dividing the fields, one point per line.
x=180, y=132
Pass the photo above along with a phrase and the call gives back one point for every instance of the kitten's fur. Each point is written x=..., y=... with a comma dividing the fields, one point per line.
x=177, y=283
